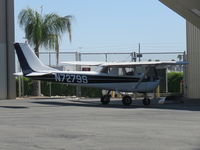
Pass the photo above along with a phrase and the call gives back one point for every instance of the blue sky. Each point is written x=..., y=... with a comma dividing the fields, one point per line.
x=114, y=25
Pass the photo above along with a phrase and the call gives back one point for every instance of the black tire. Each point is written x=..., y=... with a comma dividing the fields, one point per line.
x=146, y=101
x=105, y=99
x=127, y=100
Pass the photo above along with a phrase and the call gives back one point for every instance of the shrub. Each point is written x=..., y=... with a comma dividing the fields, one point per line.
x=174, y=79
x=28, y=86
x=56, y=89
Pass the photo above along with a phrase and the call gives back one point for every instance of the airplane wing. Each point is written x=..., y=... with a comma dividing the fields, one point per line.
x=83, y=63
x=155, y=63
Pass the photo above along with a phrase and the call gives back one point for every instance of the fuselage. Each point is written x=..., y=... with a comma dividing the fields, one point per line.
x=101, y=80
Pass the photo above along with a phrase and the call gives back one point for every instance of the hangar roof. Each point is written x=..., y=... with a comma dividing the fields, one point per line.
x=189, y=9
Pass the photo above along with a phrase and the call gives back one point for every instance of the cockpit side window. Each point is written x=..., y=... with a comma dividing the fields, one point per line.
x=130, y=71
x=110, y=70
x=104, y=70
x=137, y=71
x=152, y=74
x=113, y=71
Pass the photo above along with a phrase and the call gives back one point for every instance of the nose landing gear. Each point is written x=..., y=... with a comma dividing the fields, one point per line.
x=105, y=99
x=146, y=100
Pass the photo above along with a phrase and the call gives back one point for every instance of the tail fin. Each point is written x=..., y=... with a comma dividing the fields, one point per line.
x=29, y=62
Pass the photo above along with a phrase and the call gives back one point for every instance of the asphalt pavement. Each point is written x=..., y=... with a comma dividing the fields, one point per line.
x=69, y=124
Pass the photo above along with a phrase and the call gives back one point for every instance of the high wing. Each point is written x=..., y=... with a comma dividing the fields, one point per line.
x=151, y=63
x=83, y=63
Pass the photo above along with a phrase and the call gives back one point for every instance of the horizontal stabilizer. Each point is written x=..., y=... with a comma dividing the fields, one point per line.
x=33, y=74
x=18, y=74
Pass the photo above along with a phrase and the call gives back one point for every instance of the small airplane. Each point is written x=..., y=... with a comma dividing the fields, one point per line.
x=136, y=77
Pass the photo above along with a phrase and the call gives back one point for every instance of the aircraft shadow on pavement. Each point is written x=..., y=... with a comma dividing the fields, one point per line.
x=187, y=105
x=14, y=107
x=82, y=104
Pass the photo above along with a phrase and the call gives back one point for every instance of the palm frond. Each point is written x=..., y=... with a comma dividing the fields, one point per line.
x=44, y=30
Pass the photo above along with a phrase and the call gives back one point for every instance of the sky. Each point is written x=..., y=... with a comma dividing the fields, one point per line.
x=113, y=25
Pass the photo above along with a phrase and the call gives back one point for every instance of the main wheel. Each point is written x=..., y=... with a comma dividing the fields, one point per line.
x=127, y=100
x=146, y=101
x=105, y=99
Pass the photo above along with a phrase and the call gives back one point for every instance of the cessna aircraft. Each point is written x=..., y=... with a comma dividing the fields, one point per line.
x=140, y=77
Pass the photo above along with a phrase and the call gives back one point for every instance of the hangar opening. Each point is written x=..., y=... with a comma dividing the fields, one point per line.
x=189, y=9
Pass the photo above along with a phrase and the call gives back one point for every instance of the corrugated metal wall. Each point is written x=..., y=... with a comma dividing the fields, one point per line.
x=193, y=57
x=11, y=82
x=3, y=74
x=3, y=58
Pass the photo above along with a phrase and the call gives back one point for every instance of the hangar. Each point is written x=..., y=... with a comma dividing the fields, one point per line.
x=189, y=9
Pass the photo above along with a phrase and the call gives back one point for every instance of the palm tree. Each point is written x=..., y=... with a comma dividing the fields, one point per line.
x=43, y=30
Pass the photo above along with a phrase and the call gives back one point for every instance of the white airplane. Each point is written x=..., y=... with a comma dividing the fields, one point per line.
x=140, y=77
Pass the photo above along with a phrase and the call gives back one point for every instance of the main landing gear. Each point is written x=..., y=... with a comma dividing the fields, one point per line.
x=146, y=100
x=126, y=100
x=105, y=99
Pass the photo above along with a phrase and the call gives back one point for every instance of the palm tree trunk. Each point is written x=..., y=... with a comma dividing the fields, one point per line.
x=36, y=49
x=36, y=84
x=57, y=50
x=36, y=88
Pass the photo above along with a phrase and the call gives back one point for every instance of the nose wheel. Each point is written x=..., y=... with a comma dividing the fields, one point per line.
x=146, y=101
x=127, y=100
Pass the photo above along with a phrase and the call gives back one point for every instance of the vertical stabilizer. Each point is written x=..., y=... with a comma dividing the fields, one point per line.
x=28, y=60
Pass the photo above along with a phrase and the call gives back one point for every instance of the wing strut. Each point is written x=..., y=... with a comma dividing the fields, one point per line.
x=140, y=81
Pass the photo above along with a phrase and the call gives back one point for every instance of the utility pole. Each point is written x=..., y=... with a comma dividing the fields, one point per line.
x=134, y=57
x=106, y=57
x=139, y=52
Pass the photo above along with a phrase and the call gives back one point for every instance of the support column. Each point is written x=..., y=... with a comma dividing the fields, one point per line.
x=7, y=55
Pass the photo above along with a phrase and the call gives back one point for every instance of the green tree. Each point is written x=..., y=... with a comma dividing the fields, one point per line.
x=43, y=30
